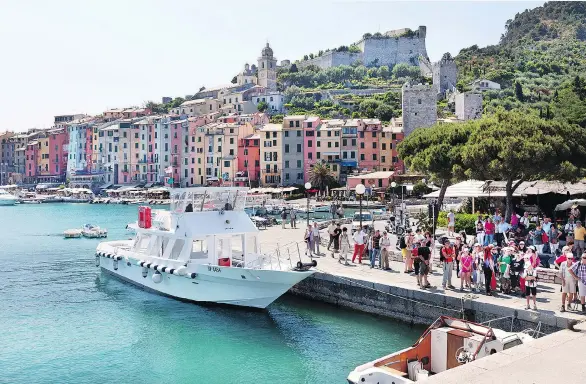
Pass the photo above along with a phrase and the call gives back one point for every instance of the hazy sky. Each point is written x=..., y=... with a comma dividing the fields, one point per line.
x=85, y=56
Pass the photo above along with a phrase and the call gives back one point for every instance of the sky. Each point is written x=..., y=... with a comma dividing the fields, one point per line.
x=70, y=56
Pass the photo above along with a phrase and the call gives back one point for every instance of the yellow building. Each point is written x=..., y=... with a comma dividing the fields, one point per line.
x=270, y=154
x=328, y=143
x=43, y=160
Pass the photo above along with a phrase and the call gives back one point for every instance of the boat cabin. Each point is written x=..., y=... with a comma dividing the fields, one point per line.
x=204, y=226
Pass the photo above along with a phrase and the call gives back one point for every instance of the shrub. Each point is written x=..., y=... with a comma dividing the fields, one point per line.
x=464, y=222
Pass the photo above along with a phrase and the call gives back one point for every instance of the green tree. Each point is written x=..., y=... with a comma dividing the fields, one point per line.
x=437, y=151
x=291, y=92
x=568, y=107
x=519, y=91
x=320, y=176
x=405, y=70
x=420, y=189
x=516, y=146
x=262, y=106
x=293, y=68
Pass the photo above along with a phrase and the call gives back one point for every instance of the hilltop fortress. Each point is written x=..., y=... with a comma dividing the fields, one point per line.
x=392, y=47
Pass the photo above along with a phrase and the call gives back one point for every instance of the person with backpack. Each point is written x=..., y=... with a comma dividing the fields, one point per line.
x=284, y=217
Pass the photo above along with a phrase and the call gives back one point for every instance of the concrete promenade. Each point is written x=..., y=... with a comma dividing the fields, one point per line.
x=396, y=285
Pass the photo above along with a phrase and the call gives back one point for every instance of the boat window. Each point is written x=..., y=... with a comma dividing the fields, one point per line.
x=176, y=250
x=199, y=249
x=512, y=344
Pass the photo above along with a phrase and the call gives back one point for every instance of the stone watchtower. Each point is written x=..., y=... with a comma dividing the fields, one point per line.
x=419, y=106
x=267, y=69
x=445, y=75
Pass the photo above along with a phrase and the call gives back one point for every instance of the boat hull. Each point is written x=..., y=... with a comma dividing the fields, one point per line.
x=209, y=284
x=7, y=201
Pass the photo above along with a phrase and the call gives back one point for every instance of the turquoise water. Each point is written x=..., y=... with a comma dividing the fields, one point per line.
x=65, y=322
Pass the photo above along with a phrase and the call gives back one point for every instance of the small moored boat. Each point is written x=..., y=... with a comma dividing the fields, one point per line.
x=72, y=234
x=93, y=232
x=446, y=344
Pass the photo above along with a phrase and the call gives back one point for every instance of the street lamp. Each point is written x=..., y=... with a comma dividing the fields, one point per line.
x=307, y=188
x=360, y=189
x=393, y=185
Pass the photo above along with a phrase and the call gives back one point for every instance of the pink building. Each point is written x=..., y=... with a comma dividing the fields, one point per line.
x=248, y=161
x=369, y=132
x=177, y=144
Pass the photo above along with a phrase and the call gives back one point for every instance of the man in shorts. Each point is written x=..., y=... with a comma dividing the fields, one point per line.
x=578, y=272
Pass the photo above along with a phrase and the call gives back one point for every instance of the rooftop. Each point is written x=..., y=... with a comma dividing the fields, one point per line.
x=374, y=175
x=194, y=102
x=272, y=127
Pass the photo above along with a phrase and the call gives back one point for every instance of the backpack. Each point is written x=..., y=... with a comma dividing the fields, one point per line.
x=402, y=243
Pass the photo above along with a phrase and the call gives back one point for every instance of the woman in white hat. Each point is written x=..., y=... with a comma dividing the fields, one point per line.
x=568, y=281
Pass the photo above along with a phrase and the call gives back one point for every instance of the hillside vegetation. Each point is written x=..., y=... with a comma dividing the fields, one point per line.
x=540, y=63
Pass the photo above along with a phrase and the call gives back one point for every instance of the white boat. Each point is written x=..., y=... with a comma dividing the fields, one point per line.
x=205, y=249
x=72, y=234
x=446, y=344
x=6, y=198
x=93, y=232
x=321, y=208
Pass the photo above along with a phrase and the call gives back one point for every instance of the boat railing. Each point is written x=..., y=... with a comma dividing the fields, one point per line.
x=283, y=257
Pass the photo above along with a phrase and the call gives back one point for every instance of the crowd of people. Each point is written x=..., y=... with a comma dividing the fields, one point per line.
x=506, y=256
x=366, y=243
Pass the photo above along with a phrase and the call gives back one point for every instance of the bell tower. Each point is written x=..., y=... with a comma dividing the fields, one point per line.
x=267, y=69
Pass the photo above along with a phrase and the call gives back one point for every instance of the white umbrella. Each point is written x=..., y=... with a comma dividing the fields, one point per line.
x=568, y=204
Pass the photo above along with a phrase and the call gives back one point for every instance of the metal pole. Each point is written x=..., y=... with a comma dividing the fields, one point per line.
x=360, y=212
x=307, y=208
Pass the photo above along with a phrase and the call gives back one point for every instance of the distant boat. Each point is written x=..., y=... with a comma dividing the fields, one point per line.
x=6, y=198
x=93, y=232
x=72, y=234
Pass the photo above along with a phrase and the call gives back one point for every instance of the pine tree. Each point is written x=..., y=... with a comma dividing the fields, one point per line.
x=519, y=91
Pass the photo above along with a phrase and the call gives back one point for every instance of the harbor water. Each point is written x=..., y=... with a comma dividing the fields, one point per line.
x=65, y=322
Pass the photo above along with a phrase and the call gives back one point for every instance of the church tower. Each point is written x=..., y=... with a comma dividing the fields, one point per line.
x=267, y=69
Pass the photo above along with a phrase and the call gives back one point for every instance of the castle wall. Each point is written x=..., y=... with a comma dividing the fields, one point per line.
x=331, y=59
x=392, y=50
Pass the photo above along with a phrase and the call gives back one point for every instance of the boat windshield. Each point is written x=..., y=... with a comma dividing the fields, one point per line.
x=365, y=217
x=208, y=199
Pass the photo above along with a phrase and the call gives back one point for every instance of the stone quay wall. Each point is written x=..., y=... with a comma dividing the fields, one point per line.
x=418, y=306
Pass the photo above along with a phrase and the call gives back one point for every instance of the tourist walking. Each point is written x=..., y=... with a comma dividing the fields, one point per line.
x=307, y=239
x=333, y=210
x=424, y=255
x=568, y=281
x=451, y=223
x=293, y=217
x=284, y=218
x=340, y=212
x=344, y=246
x=530, y=276
x=478, y=256
x=504, y=264
x=359, y=237
x=579, y=233
x=315, y=238
x=537, y=238
x=447, y=258
x=488, y=269
x=554, y=236
x=331, y=232
x=337, y=233
x=408, y=254
x=578, y=271
x=517, y=268
x=489, y=229
x=480, y=232
x=466, y=262
x=375, y=245
x=385, y=244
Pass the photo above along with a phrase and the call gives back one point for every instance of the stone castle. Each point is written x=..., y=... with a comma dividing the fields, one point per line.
x=390, y=48
x=419, y=106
